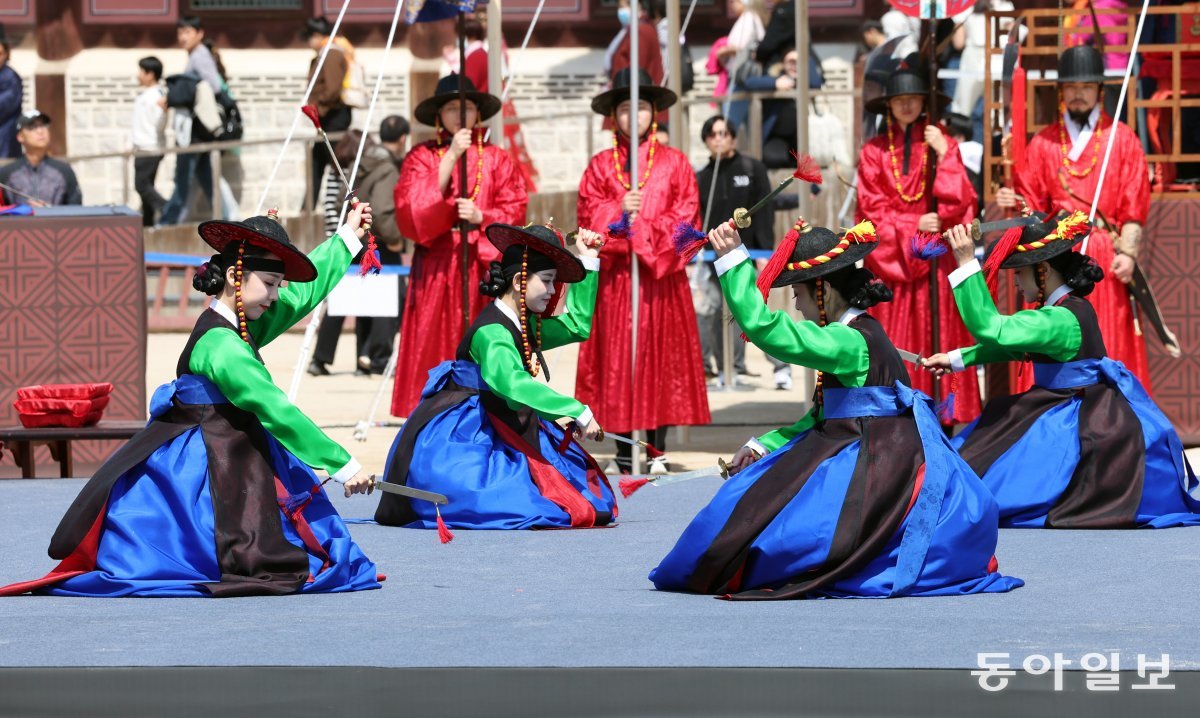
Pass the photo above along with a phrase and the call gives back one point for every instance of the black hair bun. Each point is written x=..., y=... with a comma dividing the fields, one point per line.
x=860, y=288
x=1079, y=271
x=495, y=284
x=210, y=277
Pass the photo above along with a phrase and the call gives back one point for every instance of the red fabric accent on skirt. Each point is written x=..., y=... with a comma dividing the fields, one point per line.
x=552, y=485
x=916, y=489
x=595, y=474
x=993, y=565
x=82, y=560
x=303, y=530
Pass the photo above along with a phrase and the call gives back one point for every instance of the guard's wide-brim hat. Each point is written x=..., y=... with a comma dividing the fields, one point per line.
x=1033, y=233
x=906, y=82
x=265, y=233
x=447, y=91
x=1081, y=63
x=814, y=243
x=540, y=239
x=607, y=101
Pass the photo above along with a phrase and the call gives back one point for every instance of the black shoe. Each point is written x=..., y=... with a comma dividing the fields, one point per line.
x=317, y=368
x=362, y=372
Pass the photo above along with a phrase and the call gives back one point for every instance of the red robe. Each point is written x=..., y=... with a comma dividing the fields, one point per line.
x=432, y=323
x=907, y=317
x=669, y=388
x=1126, y=198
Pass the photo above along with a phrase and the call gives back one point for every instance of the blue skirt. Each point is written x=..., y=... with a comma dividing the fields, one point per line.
x=1030, y=478
x=944, y=545
x=488, y=483
x=157, y=536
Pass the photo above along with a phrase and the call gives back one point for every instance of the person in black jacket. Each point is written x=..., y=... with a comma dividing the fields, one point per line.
x=740, y=181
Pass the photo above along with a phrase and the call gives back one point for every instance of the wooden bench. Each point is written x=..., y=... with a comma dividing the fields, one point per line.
x=22, y=442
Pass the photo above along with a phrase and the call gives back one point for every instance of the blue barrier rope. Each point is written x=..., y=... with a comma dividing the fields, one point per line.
x=196, y=261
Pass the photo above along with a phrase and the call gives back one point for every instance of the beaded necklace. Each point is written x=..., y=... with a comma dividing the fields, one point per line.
x=649, y=162
x=911, y=199
x=1066, y=146
x=441, y=152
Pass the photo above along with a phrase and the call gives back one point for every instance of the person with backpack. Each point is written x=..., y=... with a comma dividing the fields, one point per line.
x=326, y=92
x=201, y=101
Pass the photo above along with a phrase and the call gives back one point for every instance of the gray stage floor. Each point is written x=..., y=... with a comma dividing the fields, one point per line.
x=581, y=598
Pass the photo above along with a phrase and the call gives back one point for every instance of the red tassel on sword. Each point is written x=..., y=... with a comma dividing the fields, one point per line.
x=370, y=258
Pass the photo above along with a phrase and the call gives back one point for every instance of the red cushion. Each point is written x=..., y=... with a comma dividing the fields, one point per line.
x=37, y=421
x=74, y=407
x=65, y=391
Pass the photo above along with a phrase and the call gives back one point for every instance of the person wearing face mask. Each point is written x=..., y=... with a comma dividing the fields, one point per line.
x=429, y=208
x=642, y=214
x=216, y=497
x=617, y=56
x=863, y=497
x=1085, y=447
x=1062, y=172
x=483, y=434
x=894, y=188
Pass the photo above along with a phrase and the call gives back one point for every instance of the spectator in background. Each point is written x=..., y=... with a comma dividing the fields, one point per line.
x=897, y=24
x=147, y=133
x=969, y=88
x=958, y=126
x=11, y=94
x=380, y=172
x=326, y=93
x=738, y=54
x=42, y=181
x=203, y=64
x=740, y=181
x=617, y=57
x=779, y=116
x=872, y=34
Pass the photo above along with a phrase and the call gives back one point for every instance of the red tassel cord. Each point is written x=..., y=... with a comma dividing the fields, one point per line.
x=1000, y=252
x=444, y=534
x=807, y=169
x=780, y=259
x=652, y=452
x=945, y=408
x=688, y=240
x=370, y=259
x=927, y=246
x=629, y=487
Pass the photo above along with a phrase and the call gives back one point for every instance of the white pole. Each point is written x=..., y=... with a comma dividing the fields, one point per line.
x=634, y=279
x=311, y=330
x=495, y=55
x=506, y=81
x=1137, y=40
x=299, y=113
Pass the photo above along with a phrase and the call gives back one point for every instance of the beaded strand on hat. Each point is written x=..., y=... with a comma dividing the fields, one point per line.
x=823, y=320
x=441, y=152
x=526, y=351
x=237, y=292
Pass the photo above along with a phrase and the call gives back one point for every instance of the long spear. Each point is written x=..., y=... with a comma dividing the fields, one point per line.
x=462, y=172
x=634, y=279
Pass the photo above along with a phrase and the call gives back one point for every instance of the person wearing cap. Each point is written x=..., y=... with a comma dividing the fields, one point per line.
x=864, y=497
x=429, y=208
x=1085, y=447
x=1062, y=172
x=326, y=93
x=39, y=180
x=667, y=388
x=216, y=497
x=895, y=189
x=11, y=93
x=484, y=433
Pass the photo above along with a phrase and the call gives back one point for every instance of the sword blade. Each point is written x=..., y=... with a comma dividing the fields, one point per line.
x=978, y=229
x=721, y=470
x=1139, y=287
x=909, y=356
x=411, y=493
x=770, y=196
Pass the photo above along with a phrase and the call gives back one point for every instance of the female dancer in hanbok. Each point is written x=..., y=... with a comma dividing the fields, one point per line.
x=483, y=434
x=1086, y=447
x=215, y=496
x=863, y=497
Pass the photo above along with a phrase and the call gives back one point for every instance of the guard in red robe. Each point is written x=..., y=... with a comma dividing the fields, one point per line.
x=1062, y=169
x=667, y=387
x=428, y=209
x=894, y=191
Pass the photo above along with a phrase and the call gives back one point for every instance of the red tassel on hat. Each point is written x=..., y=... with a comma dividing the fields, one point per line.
x=1005, y=247
x=311, y=113
x=630, y=486
x=780, y=259
x=443, y=532
x=807, y=169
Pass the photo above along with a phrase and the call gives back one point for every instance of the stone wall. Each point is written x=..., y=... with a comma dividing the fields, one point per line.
x=269, y=83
